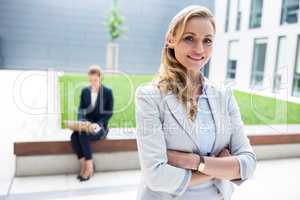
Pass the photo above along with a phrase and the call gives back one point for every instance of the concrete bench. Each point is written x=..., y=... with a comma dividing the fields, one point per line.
x=57, y=157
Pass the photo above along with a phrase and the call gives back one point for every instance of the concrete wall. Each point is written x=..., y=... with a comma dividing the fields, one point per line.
x=29, y=107
x=70, y=35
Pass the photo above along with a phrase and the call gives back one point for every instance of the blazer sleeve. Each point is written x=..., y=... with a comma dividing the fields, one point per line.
x=158, y=175
x=82, y=107
x=239, y=142
x=108, y=109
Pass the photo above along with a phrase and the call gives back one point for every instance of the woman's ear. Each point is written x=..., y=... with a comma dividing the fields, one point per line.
x=170, y=41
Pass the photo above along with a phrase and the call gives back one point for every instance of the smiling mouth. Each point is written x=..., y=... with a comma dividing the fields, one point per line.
x=196, y=58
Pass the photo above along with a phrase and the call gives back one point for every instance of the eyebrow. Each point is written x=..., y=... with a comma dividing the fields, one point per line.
x=207, y=35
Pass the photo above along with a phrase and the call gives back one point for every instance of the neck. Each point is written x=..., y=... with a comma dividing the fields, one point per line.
x=195, y=77
x=196, y=82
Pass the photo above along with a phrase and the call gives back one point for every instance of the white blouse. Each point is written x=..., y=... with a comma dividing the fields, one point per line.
x=93, y=98
x=93, y=102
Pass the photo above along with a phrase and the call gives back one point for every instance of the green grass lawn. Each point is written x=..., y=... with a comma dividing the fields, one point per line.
x=123, y=90
x=254, y=109
x=257, y=109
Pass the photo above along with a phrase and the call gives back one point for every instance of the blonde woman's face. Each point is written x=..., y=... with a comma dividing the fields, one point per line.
x=195, y=47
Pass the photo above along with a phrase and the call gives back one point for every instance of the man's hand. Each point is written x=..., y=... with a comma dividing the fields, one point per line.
x=184, y=160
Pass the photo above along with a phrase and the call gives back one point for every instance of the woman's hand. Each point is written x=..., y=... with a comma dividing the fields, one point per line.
x=224, y=153
x=199, y=178
x=184, y=160
x=95, y=128
x=189, y=160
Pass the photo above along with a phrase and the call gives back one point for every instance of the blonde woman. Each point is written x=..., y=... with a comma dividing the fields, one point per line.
x=190, y=134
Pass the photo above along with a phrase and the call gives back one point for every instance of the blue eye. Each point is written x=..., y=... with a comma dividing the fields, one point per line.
x=189, y=38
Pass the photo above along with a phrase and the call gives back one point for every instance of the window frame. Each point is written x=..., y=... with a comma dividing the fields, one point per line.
x=252, y=83
x=296, y=75
x=227, y=60
x=253, y=14
x=227, y=17
x=238, y=21
x=283, y=20
x=275, y=75
x=205, y=69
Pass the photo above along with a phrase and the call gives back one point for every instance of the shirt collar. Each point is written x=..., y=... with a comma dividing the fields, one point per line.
x=204, y=95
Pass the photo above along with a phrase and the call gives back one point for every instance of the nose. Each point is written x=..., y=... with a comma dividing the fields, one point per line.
x=199, y=48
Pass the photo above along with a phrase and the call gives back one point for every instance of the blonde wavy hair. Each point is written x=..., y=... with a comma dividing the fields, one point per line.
x=172, y=75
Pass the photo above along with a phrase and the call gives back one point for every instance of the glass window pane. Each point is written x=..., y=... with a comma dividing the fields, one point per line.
x=260, y=56
x=258, y=63
x=298, y=57
x=256, y=13
x=296, y=86
x=289, y=13
x=232, y=59
x=227, y=15
x=205, y=69
x=281, y=57
x=281, y=62
x=296, y=82
x=238, y=16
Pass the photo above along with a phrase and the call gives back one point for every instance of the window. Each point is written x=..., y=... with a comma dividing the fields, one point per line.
x=255, y=13
x=238, y=16
x=281, y=62
x=296, y=81
x=227, y=15
x=289, y=11
x=205, y=69
x=232, y=59
x=258, y=62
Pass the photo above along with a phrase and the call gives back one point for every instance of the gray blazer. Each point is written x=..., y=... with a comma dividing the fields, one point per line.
x=162, y=124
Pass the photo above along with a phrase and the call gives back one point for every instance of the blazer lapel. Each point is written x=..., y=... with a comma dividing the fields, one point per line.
x=98, y=106
x=213, y=100
x=189, y=126
x=181, y=116
x=89, y=95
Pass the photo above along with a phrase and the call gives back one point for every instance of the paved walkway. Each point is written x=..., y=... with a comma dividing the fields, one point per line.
x=273, y=180
x=7, y=157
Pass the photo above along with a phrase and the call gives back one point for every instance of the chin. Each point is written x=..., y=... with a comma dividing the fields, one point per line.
x=196, y=68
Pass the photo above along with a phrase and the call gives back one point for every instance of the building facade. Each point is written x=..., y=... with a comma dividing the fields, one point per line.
x=257, y=47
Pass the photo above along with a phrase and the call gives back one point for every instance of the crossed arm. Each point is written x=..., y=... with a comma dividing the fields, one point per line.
x=164, y=171
x=224, y=166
